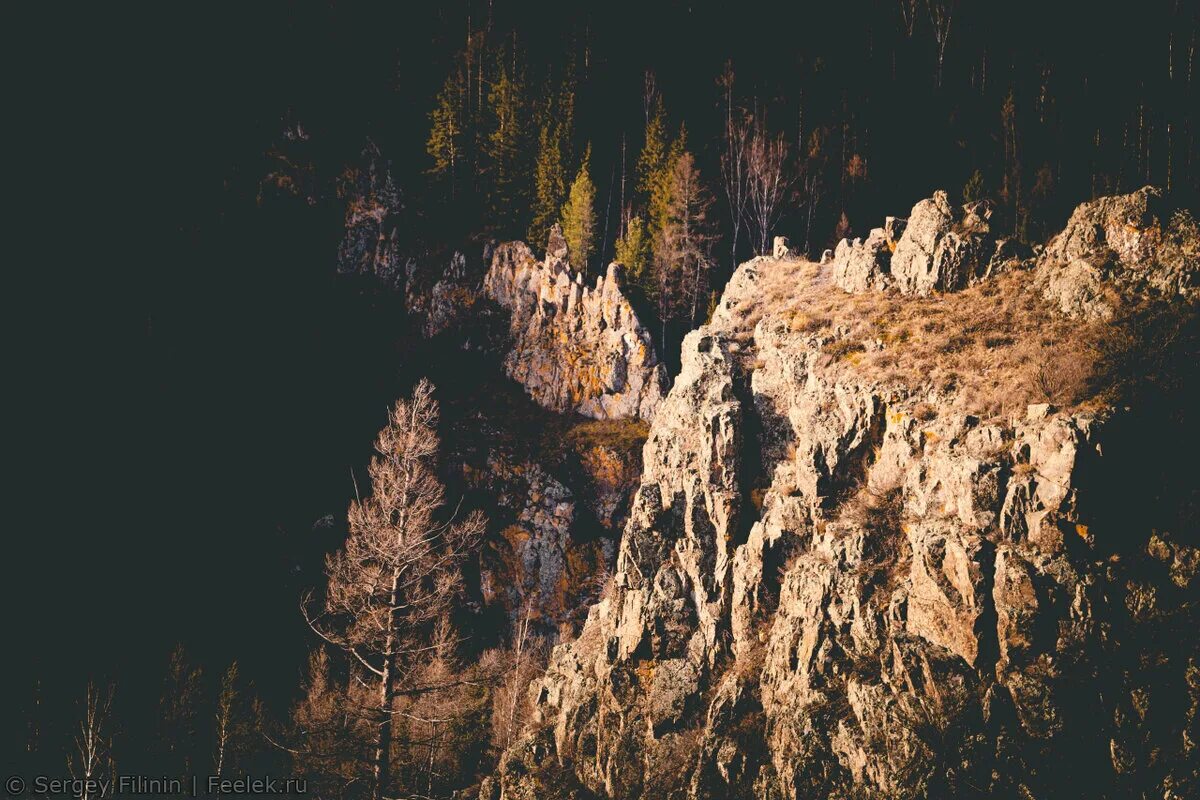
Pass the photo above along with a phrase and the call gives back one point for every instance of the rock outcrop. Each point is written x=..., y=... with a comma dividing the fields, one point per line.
x=834, y=586
x=939, y=247
x=862, y=265
x=1129, y=244
x=575, y=347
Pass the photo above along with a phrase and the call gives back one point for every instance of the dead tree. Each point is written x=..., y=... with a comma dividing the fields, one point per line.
x=769, y=180
x=91, y=755
x=734, y=167
x=941, y=14
x=399, y=571
x=908, y=15
x=229, y=723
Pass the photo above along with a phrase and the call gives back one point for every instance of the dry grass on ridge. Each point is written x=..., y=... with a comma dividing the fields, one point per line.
x=996, y=347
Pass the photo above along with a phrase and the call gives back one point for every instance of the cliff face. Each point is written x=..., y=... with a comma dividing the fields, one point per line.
x=574, y=347
x=843, y=579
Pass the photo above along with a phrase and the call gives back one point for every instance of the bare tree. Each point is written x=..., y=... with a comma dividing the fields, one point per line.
x=179, y=715
x=92, y=753
x=908, y=15
x=941, y=14
x=517, y=680
x=734, y=157
x=649, y=93
x=398, y=574
x=811, y=192
x=230, y=723
x=332, y=737
x=768, y=180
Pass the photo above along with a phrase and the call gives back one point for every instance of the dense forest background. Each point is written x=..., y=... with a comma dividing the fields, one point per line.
x=198, y=383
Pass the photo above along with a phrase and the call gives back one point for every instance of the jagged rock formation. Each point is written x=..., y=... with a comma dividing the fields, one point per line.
x=838, y=585
x=937, y=248
x=574, y=347
x=1130, y=244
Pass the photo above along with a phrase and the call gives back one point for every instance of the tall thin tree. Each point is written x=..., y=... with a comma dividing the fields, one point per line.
x=398, y=574
x=769, y=181
x=91, y=755
x=734, y=167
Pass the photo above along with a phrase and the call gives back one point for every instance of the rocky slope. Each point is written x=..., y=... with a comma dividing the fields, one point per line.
x=574, y=347
x=843, y=581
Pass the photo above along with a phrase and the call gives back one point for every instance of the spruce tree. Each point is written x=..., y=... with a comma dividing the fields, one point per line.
x=654, y=153
x=633, y=253
x=579, y=216
x=446, y=142
x=505, y=148
x=549, y=184
x=554, y=152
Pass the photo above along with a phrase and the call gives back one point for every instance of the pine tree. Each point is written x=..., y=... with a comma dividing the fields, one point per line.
x=505, y=147
x=633, y=253
x=663, y=186
x=549, y=183
x=579, y=216
x=446, y=142
x=654, y=153
x=554, y=152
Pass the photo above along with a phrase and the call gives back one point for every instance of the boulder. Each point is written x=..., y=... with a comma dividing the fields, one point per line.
x=941, y=247
x=781, y=249
x=557, y=256
x=859, y=266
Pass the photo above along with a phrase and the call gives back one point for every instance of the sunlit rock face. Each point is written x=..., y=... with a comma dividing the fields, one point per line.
x=939, y=247
x=577, y=344
x=835, y=584
x=1119, y=247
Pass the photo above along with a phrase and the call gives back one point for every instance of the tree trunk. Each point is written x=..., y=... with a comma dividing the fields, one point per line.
x=383, y=744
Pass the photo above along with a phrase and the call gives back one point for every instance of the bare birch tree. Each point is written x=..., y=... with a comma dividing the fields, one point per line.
x=231, y=723
x=734, y=166
x=908, y=15
x=941, y=14
x=91, y=755
x=399, y=572
x=769, y=180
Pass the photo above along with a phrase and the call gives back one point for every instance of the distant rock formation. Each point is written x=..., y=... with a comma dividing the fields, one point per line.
x=574, y=347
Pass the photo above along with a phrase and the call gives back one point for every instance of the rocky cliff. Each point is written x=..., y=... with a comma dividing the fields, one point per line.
x=875, y=554
x=575, y=347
